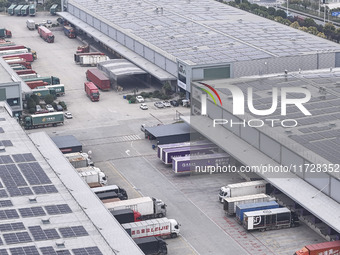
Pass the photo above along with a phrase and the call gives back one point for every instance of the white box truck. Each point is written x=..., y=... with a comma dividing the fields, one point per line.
x=92, y=60
x=156, y=227
x=230, y=203
x=79, y=159
x=93, y=177
x=148, y=207
x=242, y=189
x=30, y=24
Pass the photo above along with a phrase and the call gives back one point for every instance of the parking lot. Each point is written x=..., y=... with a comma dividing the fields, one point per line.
x=110, y=128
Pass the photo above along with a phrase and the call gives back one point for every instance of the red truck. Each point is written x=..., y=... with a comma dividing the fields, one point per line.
x=27, y=56
x=26, y=71
x=12, y=47
x=34, y=84
x=126, y=215
x=46, y=34
x=99, y=78
x=320, y=248
x=91, y=91
x=69, y=32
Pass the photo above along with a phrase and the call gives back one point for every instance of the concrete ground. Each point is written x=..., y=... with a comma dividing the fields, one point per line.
x=110, y=128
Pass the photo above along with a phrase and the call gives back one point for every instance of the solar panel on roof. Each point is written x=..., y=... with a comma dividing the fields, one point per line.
x=34, y=173
x=44, y=189
x=3, y=193
x=22, y=191
x=87, y=251
x=5, y=159
x=12, y=226
x=32, y=211
x=3, y=252
x=18, y=237
x=49, y=250
x=8, y=214
x=73, y=231
x=39, y=234
x=2, y=130
x=6, y=143
x=58, y=209
x=28, y=250
x=5, y=203
x=26, y=157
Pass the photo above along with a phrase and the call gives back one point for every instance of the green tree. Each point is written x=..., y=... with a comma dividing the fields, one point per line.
x=313, y=30
x=295, y=25
x=49, y=99
x=305, y=3
x=281, y=13
x=322, y=35
x=309, y=22
x=271, y=11
x=167, y=89
x=31, y=103
x=329, y=29
x=35, y=98
x=304, y=29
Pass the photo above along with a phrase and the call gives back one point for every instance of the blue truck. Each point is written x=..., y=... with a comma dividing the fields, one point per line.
x=242, y=208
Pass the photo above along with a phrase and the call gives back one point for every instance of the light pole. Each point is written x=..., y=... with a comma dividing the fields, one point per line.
x=287, y=7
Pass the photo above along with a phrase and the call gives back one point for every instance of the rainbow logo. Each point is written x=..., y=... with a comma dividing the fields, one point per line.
x=209, y=93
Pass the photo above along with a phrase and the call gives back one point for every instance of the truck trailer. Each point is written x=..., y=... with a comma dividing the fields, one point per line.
x=270, y=219
x=188, y=151
x=27, y=56
x=230, y=203
x=17, y=10
x=53, y=9
x=24, y=10
x=42, y=91
x=91, y=91
x=26, y=71
x=79, y=159
x=126, y=215
x=200, y=163
x=18, y=61
x=46, y=34
x=329, y=248
x=242, y=189
x=36, y=84
x=4, y=33
x=30, y=24
x=242, y=208
x=99, y=78
x=161, y=147
x=93, y=176
x=32, y=9
x=152, y=245
x=70, y=32
x=92, y=60
x=10, y=9
x=148, y=207
x=155, y=227
x=43, y=120
x=101, y=191
x=28, y=76
x=78, y=55
x=58, y=89
x=49, y=80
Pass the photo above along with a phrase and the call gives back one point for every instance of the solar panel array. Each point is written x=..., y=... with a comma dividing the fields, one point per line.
x=49, y=250
x=204, y=31
x=6, y=143
x=318, y=132
x=73, y=231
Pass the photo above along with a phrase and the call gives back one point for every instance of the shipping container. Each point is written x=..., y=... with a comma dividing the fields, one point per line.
x=200, y=163
x=28, y=76
x=27, y=56
x=92, y=60
x=99, y=78
x=41, y=91
x=35, y=84
x=58, y=89
x=126, y=216
x=67, y=143
x=49, y=80
x=152, y=245
x=78, y=55
x=43, y=120
x=79, y=159
x=10, y=9
x=122, y=194
x=186, y=151
x=24, y=10
x=32, y=9
x=46, y=34
x=27, y=71
x=17, y=10
x=270, y=219
x=230, y=203
x=54, y=9
x=249, y=207
x=327, y=248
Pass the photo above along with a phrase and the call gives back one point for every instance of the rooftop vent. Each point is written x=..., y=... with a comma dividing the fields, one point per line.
x=194, y=47
x=45, y=221
x=32, y=199
x=288, y=131
x=206, y=32
x=304, y=86
x=332, y=124
x=60, y=243
x=337, y=84
x=269, y=92
x=2, y=148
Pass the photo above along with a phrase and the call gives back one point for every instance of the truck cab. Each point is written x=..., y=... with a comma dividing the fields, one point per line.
x=174, y=228
x=224, y=192
x=159, y=207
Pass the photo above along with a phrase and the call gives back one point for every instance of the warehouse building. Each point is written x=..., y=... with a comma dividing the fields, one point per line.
x=308, y=146
x=184, y=41
x=46, y=208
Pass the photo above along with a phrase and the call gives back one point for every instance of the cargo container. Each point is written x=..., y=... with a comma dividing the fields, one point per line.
x=79, y=159
x=122, y=194
x=24, y=10
x=46, y=34
x=270, y=219
x=17, y=10
x=43, y=120
x=242, y=208
x=30, y=24
x=230, y=203
x=59, y=89
x=16, y=49
x=70, y=32
x=93, y=177
x=42, y=91
x=27, y=65
x=91, y=91
x=49, y=80
x=155, y=227
x=152, y=245
x=98, y=78
x=18, y=67
x=92, y=60
x=161, y=147
x=10, y=9
x=53, y=9
x=188, y=151
x=67, y=143
x=243, y=189
x=148, y=207
x=4, y=33
x=78, y=55
x=107, y=195
x=12, y=47
x=32, y=9
x=126, y=216
x=35, y=84
x=28, y=76
x=200, y=163
x=27, y=56
x=327, y=248
x=27, y=71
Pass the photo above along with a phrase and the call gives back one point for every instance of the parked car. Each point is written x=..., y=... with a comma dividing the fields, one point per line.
x=68, y=115
x=159, y=104
x=140, y=99
x=144, y=107
x=59, y=108
x=174, y=103
x=166, y=104
x=49, y=108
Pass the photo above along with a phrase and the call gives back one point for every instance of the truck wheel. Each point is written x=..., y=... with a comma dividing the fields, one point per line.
x=173, y=235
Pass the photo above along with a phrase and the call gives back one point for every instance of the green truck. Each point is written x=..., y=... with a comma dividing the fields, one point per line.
x=51, y=80
x=54, y=9
x=54, y=90
x=32, y=9
x=24, y=10
x=43, y=120
x=4, y=33
x=10, y=9
x=17, y=10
